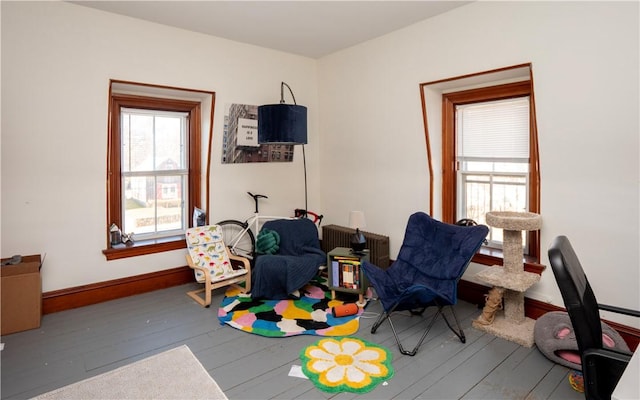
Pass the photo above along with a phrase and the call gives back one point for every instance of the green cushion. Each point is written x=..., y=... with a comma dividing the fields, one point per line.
x=268, y=242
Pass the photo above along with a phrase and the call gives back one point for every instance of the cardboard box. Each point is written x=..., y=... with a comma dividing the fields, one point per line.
x=21, y=295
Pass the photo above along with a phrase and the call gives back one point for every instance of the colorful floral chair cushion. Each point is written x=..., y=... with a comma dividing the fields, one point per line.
x=208, y=251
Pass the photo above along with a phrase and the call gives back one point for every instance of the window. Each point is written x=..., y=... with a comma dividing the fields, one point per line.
x=489, y=150
x=492, y=159
x=154, y=173
x=154, y=166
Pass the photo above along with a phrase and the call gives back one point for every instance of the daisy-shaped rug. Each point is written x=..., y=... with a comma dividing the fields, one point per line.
x=346, y=364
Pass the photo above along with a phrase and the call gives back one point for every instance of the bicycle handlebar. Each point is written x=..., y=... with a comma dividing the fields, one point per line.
x=316, y=218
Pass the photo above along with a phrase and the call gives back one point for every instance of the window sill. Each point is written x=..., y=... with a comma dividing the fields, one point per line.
x=143, y=247
x=490, y=256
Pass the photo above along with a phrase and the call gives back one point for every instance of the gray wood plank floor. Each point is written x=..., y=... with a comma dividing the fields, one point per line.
x=77, y=344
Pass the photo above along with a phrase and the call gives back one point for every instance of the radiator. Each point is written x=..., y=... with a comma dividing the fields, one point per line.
x=339, y=236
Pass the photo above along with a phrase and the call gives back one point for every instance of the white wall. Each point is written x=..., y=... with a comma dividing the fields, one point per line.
x=585, y=58
x=57, y=59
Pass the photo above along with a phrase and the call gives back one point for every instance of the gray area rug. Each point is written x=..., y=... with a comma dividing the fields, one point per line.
x=173, y=374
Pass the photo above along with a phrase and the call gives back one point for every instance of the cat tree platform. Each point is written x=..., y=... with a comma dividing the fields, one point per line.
x=511, y=324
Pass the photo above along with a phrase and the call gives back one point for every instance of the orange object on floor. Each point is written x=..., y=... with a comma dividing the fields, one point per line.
x=576, y=380
x=345, y=309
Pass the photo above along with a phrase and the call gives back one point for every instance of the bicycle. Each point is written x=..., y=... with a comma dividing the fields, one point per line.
x=240, y=236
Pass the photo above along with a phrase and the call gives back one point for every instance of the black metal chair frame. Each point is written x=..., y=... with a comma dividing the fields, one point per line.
x=440, y=311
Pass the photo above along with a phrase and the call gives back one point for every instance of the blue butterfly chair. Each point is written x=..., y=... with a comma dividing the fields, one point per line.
x=433, y=257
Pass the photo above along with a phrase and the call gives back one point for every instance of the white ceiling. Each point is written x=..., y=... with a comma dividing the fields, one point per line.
x=308, y=28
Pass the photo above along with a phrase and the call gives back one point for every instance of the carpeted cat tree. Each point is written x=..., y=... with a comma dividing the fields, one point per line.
x=510, y=281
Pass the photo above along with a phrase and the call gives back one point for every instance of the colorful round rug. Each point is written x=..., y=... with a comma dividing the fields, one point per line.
x=346, y=364
x=308, y=315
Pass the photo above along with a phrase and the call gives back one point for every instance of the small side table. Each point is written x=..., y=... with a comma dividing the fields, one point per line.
x=346, y=273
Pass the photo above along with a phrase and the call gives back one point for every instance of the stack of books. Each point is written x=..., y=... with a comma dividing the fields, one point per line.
x=345, y=272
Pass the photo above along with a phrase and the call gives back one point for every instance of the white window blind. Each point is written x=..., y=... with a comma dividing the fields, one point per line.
x=494, y=130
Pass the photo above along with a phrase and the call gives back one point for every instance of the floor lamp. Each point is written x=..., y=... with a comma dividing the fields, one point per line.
x=284, y=124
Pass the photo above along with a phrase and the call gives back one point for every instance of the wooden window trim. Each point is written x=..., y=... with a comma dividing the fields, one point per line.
x=114, y=206
x=145, y=247
x=498, y=92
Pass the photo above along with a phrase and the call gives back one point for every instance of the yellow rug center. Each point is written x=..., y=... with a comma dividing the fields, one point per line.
x=344, y=359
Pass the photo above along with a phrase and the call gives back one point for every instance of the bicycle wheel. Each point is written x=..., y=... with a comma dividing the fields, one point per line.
x=241, y=242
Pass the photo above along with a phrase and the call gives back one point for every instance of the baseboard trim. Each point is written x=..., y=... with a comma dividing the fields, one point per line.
x=474, y=293
x=80, y=296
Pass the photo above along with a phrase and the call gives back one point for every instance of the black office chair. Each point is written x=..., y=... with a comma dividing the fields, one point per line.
x=433, y=257
x=602, y=367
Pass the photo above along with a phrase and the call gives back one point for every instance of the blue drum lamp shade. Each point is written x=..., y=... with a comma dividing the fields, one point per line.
x=282, y=124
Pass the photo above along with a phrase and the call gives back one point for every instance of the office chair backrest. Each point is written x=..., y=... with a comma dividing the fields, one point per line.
x=579, y=300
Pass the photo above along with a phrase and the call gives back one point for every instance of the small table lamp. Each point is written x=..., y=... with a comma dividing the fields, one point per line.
x=357, y=221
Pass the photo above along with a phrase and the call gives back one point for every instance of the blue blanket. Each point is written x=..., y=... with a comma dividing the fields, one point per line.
x=276, y=276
